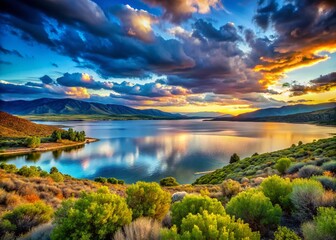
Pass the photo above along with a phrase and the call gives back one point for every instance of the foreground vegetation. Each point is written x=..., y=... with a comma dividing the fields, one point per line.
x=296, y=199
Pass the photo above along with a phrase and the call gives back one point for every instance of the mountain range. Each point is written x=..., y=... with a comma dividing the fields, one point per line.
x=48, y=106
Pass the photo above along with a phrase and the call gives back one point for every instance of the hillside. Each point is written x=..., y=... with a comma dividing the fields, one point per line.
x=11, y=126
x=315, y=153
x=48, y=106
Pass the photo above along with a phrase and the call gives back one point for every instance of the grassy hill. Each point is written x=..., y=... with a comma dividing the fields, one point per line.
x=15, y=127
x=315, y=153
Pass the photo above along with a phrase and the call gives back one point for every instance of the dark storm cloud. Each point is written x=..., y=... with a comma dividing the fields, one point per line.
x=304, y=29
x=82, y=80
x=8, y=88
x=10, y=52
x=46, y=79
x=321, y=84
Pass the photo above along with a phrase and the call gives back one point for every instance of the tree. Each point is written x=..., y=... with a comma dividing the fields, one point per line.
x=56, y=135
x=53, y=170
x=33, y=142
x=168, y=181
x=93, y=216
x=282, y=164
x=234, y=158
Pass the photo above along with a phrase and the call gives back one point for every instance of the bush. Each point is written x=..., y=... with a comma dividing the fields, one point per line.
x=53, y=170
x=148, y=200
x=25, y=217
x=330, y=166
x=31, y=171
x=306, y=198
x=284, y=233
x=234, y=158
x=33, y=142
x=57, y=177
x=168, y=181
x=256, y=209
x=115, y=181
x=323, y=227
x=194, y=204
x=282, y=164
x=210, y=226
x=100, y=179
x=310, y=170
x=278, y=190
x=293, y=168
x=9, y=168
x=140, y=229
x=328, y=183
x=230, y=188
x=93, y=216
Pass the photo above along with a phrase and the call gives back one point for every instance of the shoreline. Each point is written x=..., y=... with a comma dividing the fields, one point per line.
x=45, y=147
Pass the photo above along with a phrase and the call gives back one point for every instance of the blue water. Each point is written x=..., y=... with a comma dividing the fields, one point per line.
x=150, y=150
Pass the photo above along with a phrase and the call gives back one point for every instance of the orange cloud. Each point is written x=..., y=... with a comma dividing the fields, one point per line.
x=77, y=92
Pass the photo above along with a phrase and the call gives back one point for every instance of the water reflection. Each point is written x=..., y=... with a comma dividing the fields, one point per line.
x=151, y=150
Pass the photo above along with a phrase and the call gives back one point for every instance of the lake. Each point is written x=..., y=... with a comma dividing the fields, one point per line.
x=150, y=150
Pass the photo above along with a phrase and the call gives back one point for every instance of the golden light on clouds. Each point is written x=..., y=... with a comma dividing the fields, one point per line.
x=77, y=92
x=86, y=77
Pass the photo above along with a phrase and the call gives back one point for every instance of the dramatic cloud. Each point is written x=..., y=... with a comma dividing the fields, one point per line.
x=10, y=52
x=46, y=79
x=321, y=84
x=180, y=10
x=82, y=80
x=304, y=30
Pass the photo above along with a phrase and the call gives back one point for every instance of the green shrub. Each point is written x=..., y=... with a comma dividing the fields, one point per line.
x=57, y=177
x=168, y=181
x=9, y=168
x=256, y=209
x=284, y=233
x=194, y=204
x=234, y=158
x=115, y=181
x=31, y=171
x=230, y=188
x=121, y=182
x=100, y=179
x=328, y=183
x=25, y=217
x=210, y=226
x=323, y=227
x=148, y=200
x=306, y=197
x=33, y=142
x=293, y=168
x=53, y=170
x=309, y=171
x=330, y=166
x=282, y=164
x=140, y=229
x=93, y=216
x=278, y=190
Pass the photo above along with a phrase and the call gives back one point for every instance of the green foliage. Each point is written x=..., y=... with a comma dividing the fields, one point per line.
x=330, y=166
x=31, y=171
x=9, y=168
x=33, y=142
x=93, y=216
x=70, y=135
x=115, y=181
x=278, y=190
x=194, y=204
x=323, y=227
x=234, y=158
x=57, y=177
x=309, y=171
x=284, y=233
x=306, y=198
x=210, y=226
x=168, y=181
x=328, y=183
x=148, y=200
x=293, y=168
x=53, y=170
x=282, y=164
x=56, y=135
x=256, y=209
x=100, y=179
x=230, y=188
x=25, y=217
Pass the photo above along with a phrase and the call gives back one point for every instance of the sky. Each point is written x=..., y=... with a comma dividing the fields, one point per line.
x=173, y=55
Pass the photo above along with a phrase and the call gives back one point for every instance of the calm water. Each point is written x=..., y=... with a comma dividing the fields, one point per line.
x=150, y=150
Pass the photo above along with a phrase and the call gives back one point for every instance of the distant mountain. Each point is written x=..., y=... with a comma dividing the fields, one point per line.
x=206, y=114
x=285, y=110
x=11, y=126
x=325, y=116
x=48, y=106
